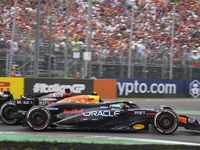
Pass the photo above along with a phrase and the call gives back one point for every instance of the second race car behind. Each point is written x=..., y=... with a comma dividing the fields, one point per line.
x=8, y=104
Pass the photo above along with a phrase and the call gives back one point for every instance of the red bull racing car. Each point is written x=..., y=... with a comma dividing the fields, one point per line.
x=90, y=112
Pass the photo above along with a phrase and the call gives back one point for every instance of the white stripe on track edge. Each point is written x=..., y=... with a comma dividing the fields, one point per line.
x=153, y=141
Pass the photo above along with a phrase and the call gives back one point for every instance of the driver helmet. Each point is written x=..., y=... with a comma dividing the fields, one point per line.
x=94, y=93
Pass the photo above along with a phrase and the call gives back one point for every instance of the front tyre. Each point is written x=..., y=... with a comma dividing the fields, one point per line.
x=38, y=118
x=166, y=121
x=8, y=114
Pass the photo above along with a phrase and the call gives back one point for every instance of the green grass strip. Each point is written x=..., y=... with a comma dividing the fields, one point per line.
x=93, y=139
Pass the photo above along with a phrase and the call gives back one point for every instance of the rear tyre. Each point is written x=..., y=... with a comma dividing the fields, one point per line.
x=38, y=118
x=7, y=112
x=166, y=121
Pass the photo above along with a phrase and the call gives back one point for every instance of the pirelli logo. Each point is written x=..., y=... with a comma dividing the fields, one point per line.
x=4, y=86
x=14, y=85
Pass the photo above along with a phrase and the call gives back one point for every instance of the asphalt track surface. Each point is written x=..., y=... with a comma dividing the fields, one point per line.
x=190, y=107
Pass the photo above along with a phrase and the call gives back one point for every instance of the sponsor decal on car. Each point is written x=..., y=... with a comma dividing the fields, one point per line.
x=73, y=111
x=25, y=102
x=48, y=99
x=136, y=112
x=191, y=120
x=55, y=95
x=139, y=126
x=22, y=112
x=103, y=106
x=105, y=113
x=51, y=108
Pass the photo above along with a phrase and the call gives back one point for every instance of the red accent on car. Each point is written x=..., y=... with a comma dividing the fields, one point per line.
x=151, y=114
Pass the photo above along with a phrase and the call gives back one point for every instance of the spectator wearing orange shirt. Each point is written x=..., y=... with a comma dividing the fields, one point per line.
x=16, y=72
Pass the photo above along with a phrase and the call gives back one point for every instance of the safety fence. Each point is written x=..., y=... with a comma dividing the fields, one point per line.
x=96, y=61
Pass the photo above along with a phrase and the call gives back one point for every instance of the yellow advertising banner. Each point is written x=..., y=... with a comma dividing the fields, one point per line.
x=14, y=85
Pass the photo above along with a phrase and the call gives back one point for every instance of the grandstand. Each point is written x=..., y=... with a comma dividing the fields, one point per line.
x=110, y=37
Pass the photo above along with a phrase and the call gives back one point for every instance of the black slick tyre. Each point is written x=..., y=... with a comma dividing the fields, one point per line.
x=166, y=121
x=7, y=114
x=38, y=118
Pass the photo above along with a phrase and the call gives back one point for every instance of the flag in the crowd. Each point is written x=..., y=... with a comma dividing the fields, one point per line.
x=195, y=60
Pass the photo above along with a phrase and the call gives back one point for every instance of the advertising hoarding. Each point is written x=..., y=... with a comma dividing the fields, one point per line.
x=14, y=85
x=106, y=88
x=77, y=86
x=137, y=87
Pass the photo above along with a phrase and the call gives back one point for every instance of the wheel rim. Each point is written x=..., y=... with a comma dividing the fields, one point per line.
x=9, y=113
x=166, y=121
x=38, y=118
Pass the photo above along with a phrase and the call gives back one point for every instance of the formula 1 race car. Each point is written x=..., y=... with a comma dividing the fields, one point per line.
x=120, y=115
x=8, y=109
x=25, y=103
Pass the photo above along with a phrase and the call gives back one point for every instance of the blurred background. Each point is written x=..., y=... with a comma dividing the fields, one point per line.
x=100, y=38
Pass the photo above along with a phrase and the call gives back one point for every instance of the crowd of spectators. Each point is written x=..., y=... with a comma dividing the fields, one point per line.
x=111, y=22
